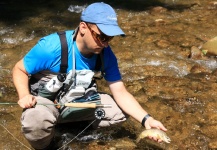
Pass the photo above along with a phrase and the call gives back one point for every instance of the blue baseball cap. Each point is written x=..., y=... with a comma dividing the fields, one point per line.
x=104, y=16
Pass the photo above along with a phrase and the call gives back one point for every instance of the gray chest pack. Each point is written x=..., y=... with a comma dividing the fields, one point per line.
x=72, y=87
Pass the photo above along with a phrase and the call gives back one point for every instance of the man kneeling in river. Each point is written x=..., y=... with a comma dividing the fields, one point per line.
x=47, y=74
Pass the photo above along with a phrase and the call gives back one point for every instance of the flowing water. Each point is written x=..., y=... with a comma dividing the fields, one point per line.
x=154, y=59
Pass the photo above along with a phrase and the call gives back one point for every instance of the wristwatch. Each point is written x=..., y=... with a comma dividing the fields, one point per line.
x=144, y=119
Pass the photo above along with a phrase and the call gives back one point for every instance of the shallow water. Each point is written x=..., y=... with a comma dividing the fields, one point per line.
x=154, y=61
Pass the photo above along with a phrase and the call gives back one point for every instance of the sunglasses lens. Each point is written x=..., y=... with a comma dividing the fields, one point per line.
x=100, y=37
x=105, y=38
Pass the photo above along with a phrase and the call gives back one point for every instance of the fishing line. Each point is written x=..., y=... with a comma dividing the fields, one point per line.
x=78, y=105
x=15, y=137
x=99, y=114
x=58, y=148
x=76, y=135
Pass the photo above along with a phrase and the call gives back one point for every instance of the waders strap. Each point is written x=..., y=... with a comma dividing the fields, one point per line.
x=64, y=52
x=100, y=64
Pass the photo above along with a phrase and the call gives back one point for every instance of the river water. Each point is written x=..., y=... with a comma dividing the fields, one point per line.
x=154, y=59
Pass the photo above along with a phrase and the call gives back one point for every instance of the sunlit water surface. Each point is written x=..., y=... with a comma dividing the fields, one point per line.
x=154, y=62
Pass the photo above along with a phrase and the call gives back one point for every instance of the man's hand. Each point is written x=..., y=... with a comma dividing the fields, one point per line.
x=27, y=101
x=21, y=82
x=152, y=123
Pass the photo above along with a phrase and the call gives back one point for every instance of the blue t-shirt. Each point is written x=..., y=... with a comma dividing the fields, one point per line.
x=46, y=55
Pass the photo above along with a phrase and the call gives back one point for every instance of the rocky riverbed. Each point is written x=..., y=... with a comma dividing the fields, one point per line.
x=156, y=61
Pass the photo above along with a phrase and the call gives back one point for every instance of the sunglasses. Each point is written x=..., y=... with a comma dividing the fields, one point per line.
x=100, y=37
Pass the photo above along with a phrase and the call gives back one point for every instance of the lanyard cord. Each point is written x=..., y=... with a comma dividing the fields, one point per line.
x=73, y=60
x=73, y=64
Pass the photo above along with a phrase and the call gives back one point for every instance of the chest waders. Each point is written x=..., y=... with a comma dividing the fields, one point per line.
x=63, y=87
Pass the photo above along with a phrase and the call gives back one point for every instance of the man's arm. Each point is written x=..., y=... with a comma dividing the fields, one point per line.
x=129, y=105
x=21, y=81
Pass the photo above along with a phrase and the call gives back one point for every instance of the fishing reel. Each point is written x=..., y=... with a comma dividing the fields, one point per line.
x=99, y=113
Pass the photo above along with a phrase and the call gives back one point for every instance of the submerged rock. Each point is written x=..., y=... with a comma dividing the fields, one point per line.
x=196, y=53
x=213, y=144
x=199, y=69
x=125, y=143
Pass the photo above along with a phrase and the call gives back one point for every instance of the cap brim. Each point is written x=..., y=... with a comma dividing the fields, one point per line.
x=111, y=30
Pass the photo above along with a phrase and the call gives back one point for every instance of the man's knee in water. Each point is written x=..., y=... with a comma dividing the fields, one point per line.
x=38, y=127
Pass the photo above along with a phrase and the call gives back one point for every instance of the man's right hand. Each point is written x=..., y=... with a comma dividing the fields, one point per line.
x=27, y=101
x=21, y=82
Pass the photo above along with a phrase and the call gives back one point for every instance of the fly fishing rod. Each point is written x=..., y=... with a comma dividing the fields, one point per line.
x=76, y=105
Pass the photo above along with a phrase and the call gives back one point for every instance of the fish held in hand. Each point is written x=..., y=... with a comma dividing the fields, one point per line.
x=159, y=134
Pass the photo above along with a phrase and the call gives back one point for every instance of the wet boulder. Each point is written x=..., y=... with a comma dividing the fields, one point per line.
x=210, y=47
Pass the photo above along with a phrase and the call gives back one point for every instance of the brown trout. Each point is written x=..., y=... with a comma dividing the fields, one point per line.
x=159, y=134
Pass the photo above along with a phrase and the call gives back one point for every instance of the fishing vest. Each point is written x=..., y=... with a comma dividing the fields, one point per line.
x=63, y=87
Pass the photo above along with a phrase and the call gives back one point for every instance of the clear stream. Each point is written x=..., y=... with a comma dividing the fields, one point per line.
x=154, y=59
